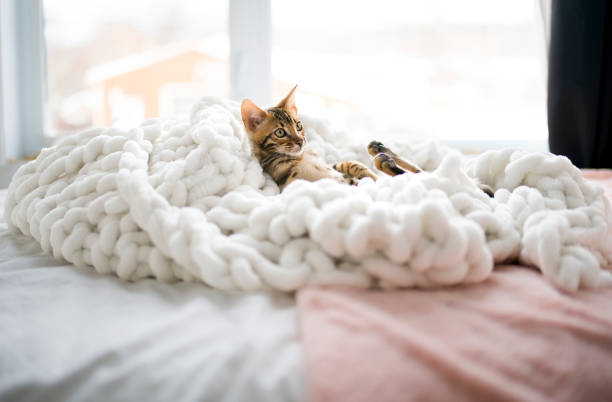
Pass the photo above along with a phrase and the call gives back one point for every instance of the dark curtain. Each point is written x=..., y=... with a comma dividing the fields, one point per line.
x=580, y=82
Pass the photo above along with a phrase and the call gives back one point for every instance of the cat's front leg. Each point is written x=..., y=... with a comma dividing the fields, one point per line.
x=354, y=171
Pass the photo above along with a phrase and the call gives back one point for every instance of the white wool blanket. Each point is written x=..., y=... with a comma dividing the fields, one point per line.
x=187, y=201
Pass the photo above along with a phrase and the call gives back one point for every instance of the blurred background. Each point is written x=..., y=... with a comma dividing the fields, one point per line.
x=471, y=72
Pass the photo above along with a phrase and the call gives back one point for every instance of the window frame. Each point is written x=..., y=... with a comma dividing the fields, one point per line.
x=250, y=31
x=22, y=82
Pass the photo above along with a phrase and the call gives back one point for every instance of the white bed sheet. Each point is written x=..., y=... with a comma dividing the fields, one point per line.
x=68, y=334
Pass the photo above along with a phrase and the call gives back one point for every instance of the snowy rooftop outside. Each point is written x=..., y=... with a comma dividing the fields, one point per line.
x=473, y=69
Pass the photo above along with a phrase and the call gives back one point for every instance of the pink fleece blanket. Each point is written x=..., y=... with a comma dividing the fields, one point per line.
x=514, y=337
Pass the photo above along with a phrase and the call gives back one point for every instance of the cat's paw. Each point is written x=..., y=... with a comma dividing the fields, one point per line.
x=386, y=163
x=488, y=190
x=377, y=147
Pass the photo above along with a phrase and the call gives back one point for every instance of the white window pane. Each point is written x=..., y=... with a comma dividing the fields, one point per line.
x=444, y=69
x=112, y=62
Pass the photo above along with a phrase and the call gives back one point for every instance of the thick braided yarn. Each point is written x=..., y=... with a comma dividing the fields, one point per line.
x=179, y=201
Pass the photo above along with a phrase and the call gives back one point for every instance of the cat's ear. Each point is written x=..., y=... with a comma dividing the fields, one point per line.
x=252, y=116
x=289, y=102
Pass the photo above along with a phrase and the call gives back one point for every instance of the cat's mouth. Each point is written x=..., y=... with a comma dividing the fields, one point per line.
x=295, y=150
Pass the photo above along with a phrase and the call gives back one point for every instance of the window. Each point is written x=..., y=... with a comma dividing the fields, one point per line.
x=471, y=70
x=114, y=62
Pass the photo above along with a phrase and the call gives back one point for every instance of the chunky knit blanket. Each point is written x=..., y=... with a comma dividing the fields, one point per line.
x=187, y=201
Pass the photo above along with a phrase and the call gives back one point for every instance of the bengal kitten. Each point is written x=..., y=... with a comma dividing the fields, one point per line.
x=278, y=142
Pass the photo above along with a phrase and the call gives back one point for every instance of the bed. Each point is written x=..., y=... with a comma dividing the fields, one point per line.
x=70, y=334
x=514, y=337
x=283, y=317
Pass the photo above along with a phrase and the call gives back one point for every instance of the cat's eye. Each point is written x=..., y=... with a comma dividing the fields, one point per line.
x=298, y=125
x=280, y=132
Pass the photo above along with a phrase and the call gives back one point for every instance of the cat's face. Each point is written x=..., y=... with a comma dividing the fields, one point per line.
x=277, y=129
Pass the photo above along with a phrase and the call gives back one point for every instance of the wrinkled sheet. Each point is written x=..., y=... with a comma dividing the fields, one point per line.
x=73, y=335
x=514, y=337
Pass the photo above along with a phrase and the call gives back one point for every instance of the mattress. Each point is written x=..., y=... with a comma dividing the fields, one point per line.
x=513, y=337
x=70, y=334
